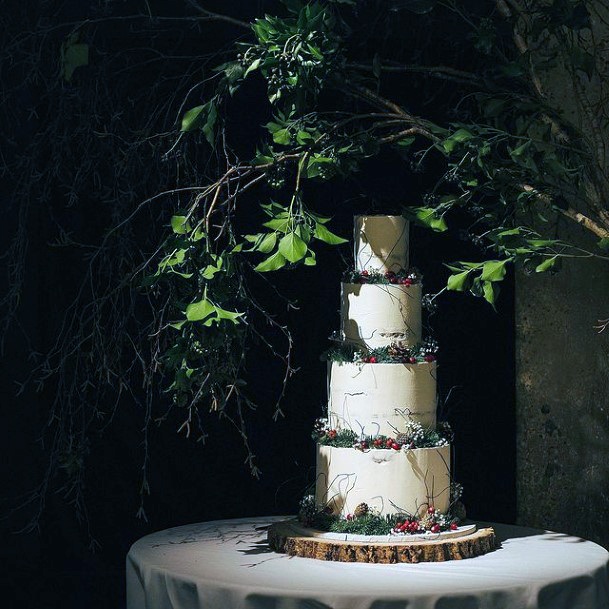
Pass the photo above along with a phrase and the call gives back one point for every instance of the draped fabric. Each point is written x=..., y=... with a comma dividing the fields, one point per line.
x=228, y=565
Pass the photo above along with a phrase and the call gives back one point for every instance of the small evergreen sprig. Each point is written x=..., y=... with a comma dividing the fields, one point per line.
x=337, y=438
x=404, y=277
x=395, y=353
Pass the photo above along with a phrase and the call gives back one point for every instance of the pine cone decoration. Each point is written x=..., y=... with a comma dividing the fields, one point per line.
x=361, y=510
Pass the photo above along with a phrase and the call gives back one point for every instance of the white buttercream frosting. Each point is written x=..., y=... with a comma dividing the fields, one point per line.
x=381, y=243
x=389, y=481
x=376, y=315
x=378, y=399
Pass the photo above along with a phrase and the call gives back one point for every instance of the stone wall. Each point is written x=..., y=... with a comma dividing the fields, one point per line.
x=562, y=389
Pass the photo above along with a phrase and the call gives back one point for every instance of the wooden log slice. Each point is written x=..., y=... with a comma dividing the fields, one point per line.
x=281, y=538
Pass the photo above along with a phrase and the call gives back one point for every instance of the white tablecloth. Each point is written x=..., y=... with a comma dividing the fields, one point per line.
x=227, y=565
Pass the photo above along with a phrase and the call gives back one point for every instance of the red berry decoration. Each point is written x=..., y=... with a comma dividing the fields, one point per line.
x=377, y=442
x=435, y=528
x=365, y=273
x=332, y=434
x=407, y=281
x=389, y=442
x=431, y=509
x=396, y=446
x=349, y=517
x=372, y=360
x=454, y=526
x=412, y=360
x=430, y=358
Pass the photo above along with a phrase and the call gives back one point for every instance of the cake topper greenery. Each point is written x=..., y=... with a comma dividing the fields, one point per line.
x=503, y=159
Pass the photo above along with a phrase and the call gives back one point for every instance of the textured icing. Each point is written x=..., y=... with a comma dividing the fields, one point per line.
x=376, y=315
x=389, y=481
x=381, y=398
x=381, y=243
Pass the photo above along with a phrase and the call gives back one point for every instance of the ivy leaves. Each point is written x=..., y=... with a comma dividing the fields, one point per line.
x=289, y=242
x=518, y=245
x=479, y=278
x=208, y=313
x=202, y=117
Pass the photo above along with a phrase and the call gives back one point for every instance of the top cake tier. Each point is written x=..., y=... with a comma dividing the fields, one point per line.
x=381, y=243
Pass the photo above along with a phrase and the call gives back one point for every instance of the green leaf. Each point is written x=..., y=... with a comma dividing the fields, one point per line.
x=202, y=117
x=458, y=282
x=253, y=66
x=406, y=141
x=314, y=165
x=546, y=265
x=198, y=234
x=198, y=311
x=520, y=150
x=292, y=247
x=282, y=136
x=193, y=118
x=427, y=216
x=267, y=244
x=228, y=315
x=272, y=263
x=490, y=292
x=210, y=123
x=304, y=137
x=603, y=243
x=262, y=159
x=280, y=224
x=211, y=269
x=304, y=232
x=176, y=257
x=459, y=136
x=180, y=225
x=323, y=234
x=315, y=52
x=73, y=55
x=272, y=127
x=494, y=270
x=310, y=259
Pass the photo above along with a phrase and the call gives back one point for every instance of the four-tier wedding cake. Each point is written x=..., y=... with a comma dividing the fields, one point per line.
x=383, y=467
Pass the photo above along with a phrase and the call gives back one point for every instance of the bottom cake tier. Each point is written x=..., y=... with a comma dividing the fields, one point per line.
x=388, y=481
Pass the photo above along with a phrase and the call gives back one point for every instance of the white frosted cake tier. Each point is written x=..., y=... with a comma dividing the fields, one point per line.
x=381, y=243
x=389, y=481
x=376, y=315
x=381, y=398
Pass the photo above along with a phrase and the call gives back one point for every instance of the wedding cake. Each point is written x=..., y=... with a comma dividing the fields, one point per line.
x=380, y=450
x=383, y=489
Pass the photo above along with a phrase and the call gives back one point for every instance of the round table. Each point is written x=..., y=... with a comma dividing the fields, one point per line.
x=227, y=564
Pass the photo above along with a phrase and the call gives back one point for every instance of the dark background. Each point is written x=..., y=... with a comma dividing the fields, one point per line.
x=54, y=566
